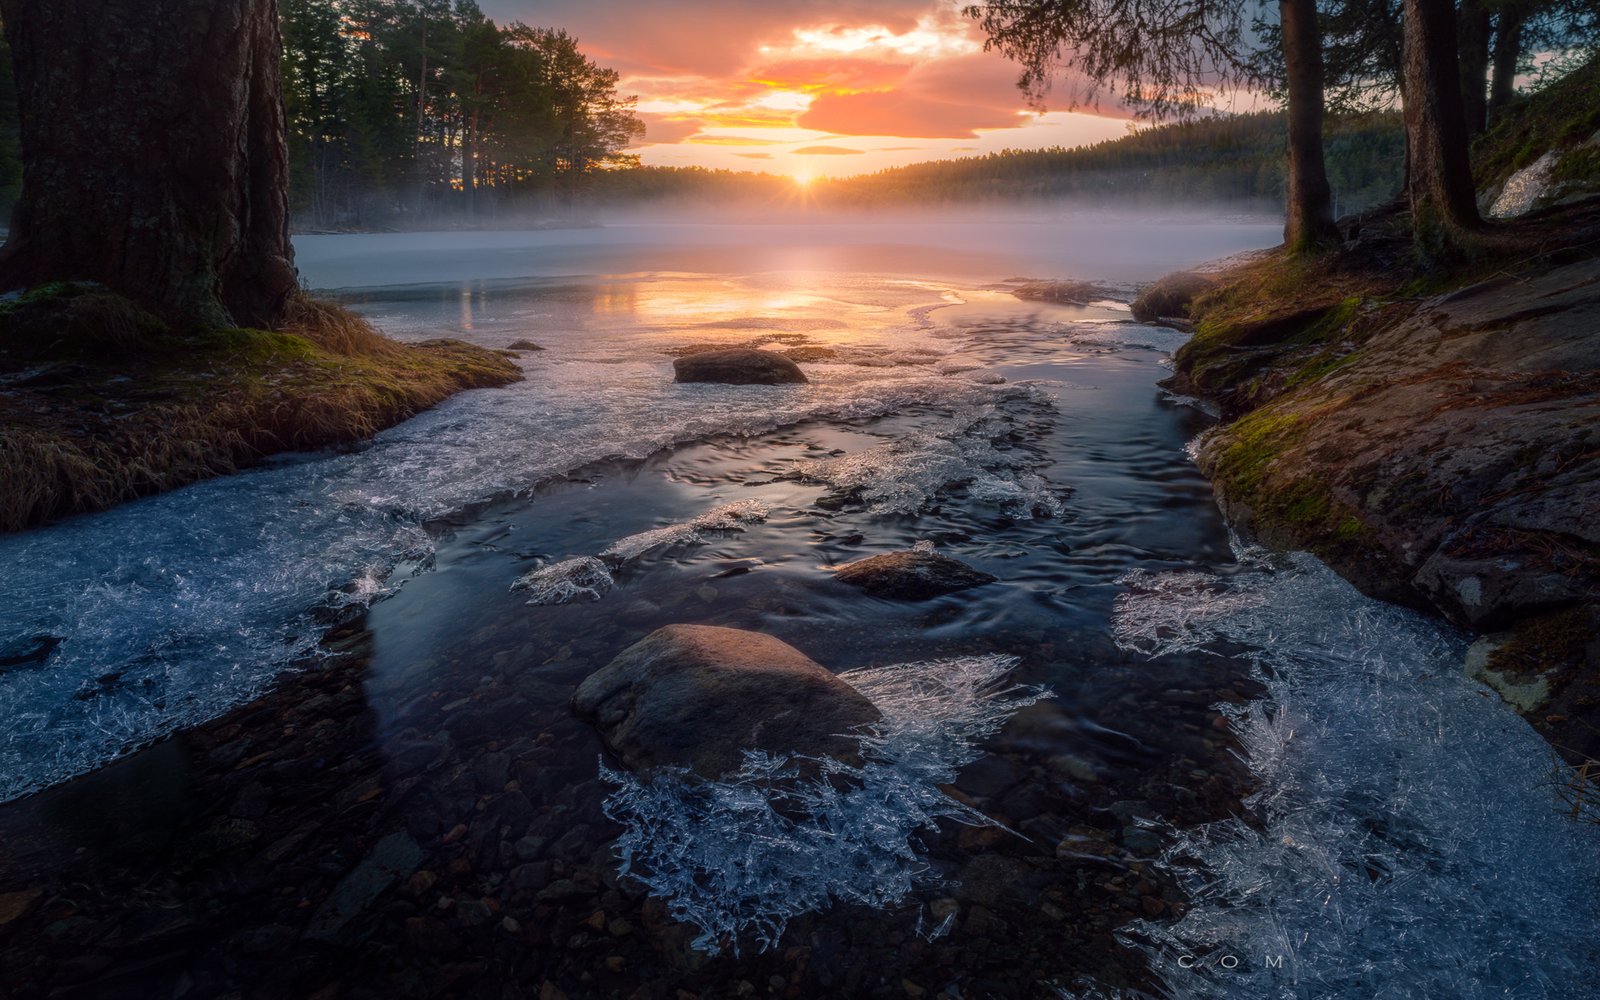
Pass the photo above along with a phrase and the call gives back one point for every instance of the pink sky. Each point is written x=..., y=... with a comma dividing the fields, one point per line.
x=812, y=87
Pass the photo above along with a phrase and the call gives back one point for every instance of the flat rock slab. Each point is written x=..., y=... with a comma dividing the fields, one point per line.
x=395, y=857
x=738, y=367
x=911, y=576
x=698, y=696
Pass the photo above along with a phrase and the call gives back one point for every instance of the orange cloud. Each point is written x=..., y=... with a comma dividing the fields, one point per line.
x=830, y=74
x=825, y=151
x=660, y=129
x=903, y=115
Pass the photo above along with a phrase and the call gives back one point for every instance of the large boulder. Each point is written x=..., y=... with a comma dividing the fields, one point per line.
x=1171, y=297
x=911, y=576
x=738, y=367
x=698, y=696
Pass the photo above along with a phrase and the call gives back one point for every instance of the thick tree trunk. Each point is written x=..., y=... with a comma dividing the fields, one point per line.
x=1309, y=216
x=154, y=158
x=1507, y=53
x=1444, y=208
x=1474, y=37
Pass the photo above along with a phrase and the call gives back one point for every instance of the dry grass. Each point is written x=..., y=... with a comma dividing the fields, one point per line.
x=335, y=328
x=86, y=428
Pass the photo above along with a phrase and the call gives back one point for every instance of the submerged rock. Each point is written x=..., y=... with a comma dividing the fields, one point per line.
x=1171, y=297
x=698, y=696
x=738, y=367
x=911, y=576
x=1073, y=293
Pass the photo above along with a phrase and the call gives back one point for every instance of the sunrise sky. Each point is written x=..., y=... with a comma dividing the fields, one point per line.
x=812, y=87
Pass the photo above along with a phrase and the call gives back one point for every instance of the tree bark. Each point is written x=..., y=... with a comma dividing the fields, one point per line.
x=1507, y=53
x=1474, y=37
x=1309, y=215
x=1444, y=208
x=154, y=156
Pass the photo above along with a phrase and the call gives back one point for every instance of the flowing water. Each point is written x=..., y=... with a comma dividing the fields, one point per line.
x=1097, y=714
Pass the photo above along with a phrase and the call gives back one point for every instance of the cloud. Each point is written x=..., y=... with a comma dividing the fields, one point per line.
x=825, y=151
x=732, y=140
x=829, y=74
x=661, y=128
x=755, y=156
x=904, y=115
x=703, y=37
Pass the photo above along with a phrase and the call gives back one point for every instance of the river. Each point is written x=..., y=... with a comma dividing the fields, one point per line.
x=1135, y=682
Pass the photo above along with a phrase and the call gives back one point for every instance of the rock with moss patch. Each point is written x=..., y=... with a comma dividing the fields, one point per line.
x=699, y=696
x=911, y=576
x=738, y=367
x=1072, y=293
x=1172, y=297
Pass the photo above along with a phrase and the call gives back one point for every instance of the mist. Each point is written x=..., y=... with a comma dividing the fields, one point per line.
x=988, y=243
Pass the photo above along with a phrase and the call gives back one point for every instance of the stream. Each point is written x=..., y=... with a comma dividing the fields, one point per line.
x=1149, y=761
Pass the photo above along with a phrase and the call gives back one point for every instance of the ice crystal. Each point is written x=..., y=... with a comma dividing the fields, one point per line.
x=1402, y=842
x=972, y=449
x=726, y=859
x=566, y=582
x=728, y=517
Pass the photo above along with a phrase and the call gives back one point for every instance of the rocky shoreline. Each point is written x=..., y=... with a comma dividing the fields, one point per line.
x=1436, y=442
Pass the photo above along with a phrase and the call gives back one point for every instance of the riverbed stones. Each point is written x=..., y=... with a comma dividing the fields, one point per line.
x=911, y=576
x=394, y=857
x=743, y=366
x=698, y=696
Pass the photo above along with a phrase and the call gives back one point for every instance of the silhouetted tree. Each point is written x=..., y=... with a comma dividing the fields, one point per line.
x=1444, y=208
x=153, y=154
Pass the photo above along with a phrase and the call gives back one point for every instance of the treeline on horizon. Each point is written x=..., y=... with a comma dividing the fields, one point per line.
x=1228, y=158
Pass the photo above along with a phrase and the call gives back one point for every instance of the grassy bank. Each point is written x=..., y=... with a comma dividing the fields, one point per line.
x=102, y=402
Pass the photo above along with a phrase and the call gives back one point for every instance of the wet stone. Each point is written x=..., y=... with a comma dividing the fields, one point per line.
x=738, y=367
x=395, y=856
x=699, y=696
x=911, y=575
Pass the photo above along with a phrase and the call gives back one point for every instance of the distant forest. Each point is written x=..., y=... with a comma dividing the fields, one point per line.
x=405, y=113
x=1235, y=159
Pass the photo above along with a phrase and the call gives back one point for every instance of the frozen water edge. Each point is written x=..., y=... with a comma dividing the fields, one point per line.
x=175, y=608
x=1408, y=843
x=725, y=859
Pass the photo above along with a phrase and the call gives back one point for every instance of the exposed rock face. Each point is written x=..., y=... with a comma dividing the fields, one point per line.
x=1171, y=297
x=911, y=576
x=738, y=367
x=698, y=696
x=1444, y=453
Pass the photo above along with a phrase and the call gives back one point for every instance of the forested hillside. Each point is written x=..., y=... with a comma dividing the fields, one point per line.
x=1235, y=159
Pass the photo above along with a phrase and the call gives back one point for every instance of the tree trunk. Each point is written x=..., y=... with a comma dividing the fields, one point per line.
x=1444, y=208
x=1474, y=36
x=154, y=157
x=1507, y=53
x=1309, y=216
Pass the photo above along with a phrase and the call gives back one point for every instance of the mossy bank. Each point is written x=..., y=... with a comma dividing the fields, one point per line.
x=102, y=402
x=1431, y=432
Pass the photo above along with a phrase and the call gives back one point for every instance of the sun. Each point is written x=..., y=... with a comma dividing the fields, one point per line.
x=804, y=178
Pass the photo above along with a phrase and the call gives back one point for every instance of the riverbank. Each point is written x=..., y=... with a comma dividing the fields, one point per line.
x=103, y=402
x=1432, y=434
